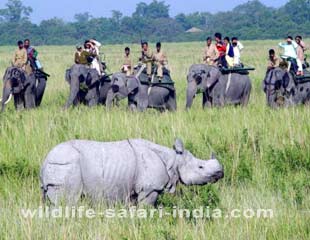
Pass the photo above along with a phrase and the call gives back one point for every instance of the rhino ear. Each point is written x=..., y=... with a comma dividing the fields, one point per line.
x=179, y=146
x=213, y=156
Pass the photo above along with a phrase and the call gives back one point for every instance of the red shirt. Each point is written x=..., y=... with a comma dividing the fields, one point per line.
x=221, y=47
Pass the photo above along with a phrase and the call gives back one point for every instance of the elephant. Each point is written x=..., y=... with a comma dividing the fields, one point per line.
x=22, y=86
x=132, y=171
x=282, y=88
x=142, y=95
x=218, y=89
x=84, y=85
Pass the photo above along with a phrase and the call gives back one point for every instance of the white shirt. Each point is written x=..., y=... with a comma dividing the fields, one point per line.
x=290, y=50
x=237, y=53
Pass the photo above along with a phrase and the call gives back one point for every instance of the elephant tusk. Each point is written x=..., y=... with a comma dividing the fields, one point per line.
x=10, y=97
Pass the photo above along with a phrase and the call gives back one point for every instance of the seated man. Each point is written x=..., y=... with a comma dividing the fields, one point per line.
x=301, y=49
x=85, y=57
x=273, y=60
x=20, y=56
x=211, y=54
x=229, y=52
x=221, y=47
x=290, y=53
x=238, y=47
x=160, y=61
x=77, y=55
x=147, y=58
x=32, y=53
x=127, y=63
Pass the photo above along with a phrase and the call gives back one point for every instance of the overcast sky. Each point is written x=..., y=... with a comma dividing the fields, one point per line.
x=65, y=9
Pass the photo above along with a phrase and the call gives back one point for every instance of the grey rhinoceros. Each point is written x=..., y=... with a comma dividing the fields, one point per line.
x=129, y=171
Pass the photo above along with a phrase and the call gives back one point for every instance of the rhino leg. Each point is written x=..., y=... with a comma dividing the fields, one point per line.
x=148, y=199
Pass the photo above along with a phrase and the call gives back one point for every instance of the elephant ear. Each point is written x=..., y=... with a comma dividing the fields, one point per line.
x=68, y=75
x=5, y=76
x=287, y=82
x=213, y=76
x=132, y=84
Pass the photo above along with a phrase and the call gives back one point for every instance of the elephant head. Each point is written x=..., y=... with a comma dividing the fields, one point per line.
x=14, y=82
x=122, y=87
x=196, y=81
x=277, y=82
x=79, y=77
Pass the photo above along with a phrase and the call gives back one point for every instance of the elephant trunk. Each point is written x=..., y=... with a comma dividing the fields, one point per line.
x=110, y=98
x=191, y=92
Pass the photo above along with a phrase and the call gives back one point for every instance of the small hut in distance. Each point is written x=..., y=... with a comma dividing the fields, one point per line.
x=194, y=30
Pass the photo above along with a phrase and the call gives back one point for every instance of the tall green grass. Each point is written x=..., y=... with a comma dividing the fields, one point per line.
x=265, y=152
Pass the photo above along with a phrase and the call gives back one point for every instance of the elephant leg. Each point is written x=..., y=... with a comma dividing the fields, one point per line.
x=172, y=103
x=74, y=90
x=19, y=102
x=206, y=101
x=29, y=97
x=40, y=89
x=92, y=97
x=191, y=92
x=246, y=97
x=131, y=102
x=143, y=98
x=7, y=90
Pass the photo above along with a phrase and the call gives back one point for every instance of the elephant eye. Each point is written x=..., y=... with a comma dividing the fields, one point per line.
x=200, y=167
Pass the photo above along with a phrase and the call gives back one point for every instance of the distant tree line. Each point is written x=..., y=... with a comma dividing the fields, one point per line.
x=152, y=22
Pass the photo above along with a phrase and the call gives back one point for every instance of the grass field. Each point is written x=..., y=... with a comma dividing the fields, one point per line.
x=265, y=152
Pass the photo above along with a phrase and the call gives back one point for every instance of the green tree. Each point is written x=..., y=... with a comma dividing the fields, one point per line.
x=83, y=17
x=15, y=11
x=156, y=9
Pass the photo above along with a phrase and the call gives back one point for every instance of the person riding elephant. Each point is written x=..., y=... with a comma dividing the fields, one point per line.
x=218, y=89
x=141, y=96
x=161, y=61
x=84, y=85
x=282, y=89
x=34, y=66
x=22, y=86
x=147, y=58
x=20, y=56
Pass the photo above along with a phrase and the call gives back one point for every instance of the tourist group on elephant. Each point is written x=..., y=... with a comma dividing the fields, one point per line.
x=222, y=79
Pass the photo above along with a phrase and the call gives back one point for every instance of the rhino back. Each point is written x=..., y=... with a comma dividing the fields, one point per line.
x=108, y=169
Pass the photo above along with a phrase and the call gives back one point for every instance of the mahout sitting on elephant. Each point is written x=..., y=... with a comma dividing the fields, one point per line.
x=142, y=93
x=284, y=88
x=218, y=87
